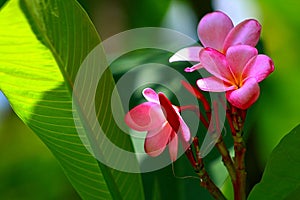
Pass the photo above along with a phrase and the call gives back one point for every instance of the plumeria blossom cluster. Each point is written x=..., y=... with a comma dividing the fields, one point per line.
x=229, y=56
x=235, y=67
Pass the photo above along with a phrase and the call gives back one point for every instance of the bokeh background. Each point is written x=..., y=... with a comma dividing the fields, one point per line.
x=29, y=171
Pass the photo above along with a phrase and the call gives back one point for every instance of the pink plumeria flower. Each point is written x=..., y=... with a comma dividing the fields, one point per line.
x=162, y=122
x=216, y=30
x=238, y=73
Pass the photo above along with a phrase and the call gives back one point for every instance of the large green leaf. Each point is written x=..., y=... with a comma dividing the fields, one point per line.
x=281, y=179
x=42, y=45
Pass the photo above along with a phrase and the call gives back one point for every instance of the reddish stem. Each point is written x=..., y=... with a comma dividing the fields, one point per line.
x=205, y=180
x=197, y=93
x=189, y=154
x=208, y=184
x=220, y=145
x=227, y=160
x=197, y=111
x=240, y=185
x=230, y=122
x=238, y=119
x=197, y=149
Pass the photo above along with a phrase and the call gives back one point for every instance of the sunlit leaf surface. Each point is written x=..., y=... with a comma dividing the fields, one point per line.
x=42, y=44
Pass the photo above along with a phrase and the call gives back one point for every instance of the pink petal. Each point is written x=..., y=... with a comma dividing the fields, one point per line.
x=185, y=145
x=215, y=63
x=184, y=130
x=169, y=112
x=237, y=58
x=214, y=84
x=245, y=96
x=246, y=32
x=193, y=68
x=156, y=141
x=173, y=146
x=144, y=117
x=213, y=29
x=186, y=54
x=150, y=95
x=258, y=67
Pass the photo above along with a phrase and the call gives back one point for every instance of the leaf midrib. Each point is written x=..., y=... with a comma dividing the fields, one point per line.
x=69, y=83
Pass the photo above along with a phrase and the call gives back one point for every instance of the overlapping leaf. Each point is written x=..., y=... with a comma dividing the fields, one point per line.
x=281, y=179
x=42, y=44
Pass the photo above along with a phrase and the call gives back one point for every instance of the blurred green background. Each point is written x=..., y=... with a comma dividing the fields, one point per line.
x=29, y=171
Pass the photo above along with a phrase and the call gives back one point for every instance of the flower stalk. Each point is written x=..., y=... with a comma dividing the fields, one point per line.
x=226, y=159
x=238, y=119
x=208, y=184
x=240, y=184
x=198, y=165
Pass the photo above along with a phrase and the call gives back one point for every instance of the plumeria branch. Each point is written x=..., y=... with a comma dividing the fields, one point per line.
x=208, y=184
x=227, y=160
x=238, y=119
x=198, y=165
x=220, y=145
x=240, y=184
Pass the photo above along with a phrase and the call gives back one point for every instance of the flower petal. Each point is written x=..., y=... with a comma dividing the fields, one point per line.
x=144, y=117
x=169, y=112
x=237, y=58
x=150, y=95
x=184, y=130
x=214, y=84
x=213, y=29
x=246, y=32
x=193, y=68
x=245, y=96
x=215, y=63
x=157, y=140
x=186, y=54
x=173, y=146
x=259, y=68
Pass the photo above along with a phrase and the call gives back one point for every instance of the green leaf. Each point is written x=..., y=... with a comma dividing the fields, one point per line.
x=42, y=45
x=281, y=179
